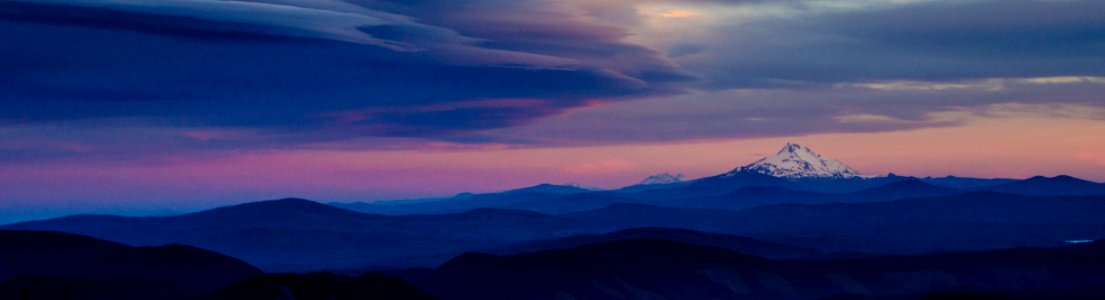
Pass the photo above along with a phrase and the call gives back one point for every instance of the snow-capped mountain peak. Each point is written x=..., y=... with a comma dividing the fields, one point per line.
x=796, y=161
x=663, y=178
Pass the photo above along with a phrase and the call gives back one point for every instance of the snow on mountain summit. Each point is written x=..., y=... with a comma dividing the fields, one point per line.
x=796, y=161
x=663, y=178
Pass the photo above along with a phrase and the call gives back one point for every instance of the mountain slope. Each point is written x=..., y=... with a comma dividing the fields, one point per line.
x=54, y=265
x=321, y=286
x=550, y=189
x=908, y=188
x=796, y=161
x=1055, y=186
x=753, y=196
x=734, y=243
x=655, y=269
x=543, y=195
x=311, y=236
x=971, y=221
x=662, y=178
x=966, y=183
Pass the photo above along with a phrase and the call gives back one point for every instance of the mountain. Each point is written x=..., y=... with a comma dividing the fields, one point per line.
x=908, y=188
x=550, y=189
x=312, y=236
x=734, y=243
x=905, y=216
x=54, y=265
x=795, y=168
x=796, y=161
x=1062, y=185
x=835, y=185
x=966, y=183
x=659, y=269
x=752, y=196
x=968, y=221
x=662, y=178
x=319, y=286
x=545, y=198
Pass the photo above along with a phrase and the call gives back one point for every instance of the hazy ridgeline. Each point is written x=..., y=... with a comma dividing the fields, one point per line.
x=743, y=234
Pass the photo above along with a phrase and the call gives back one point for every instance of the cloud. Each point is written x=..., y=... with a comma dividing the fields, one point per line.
x=382, y=74
x=1064, y=80
x=284, y=70
x=211, y=19
x=923, y=41
x=981, y=85
x=756, y=113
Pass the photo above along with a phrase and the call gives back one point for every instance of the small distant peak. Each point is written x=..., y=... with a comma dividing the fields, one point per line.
x=1059, y=178
x=663, y=178
x=910, y=182
x=279, y=206
x=573, y=184
x=286, y=201
x=567, y=188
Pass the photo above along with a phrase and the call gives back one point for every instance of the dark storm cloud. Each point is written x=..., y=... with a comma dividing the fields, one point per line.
x=242, y=65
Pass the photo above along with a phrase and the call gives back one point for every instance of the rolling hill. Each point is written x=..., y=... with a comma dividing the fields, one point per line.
x=54, y=265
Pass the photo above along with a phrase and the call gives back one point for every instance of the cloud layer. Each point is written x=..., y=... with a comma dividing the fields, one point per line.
x=271, y=74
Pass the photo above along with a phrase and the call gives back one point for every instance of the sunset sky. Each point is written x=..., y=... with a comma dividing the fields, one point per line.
x=161, y=106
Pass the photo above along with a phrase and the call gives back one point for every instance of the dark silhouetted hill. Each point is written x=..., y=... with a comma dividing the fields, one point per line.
x=966, y=183
x=54, y=265
x=301, y=235
x=656, y=269
x=313, y=236
x=319, y=286
x=907, y=188
x=1062, y=185
x=970, y=221
x=734, y=243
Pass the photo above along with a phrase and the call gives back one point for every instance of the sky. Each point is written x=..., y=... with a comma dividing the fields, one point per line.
x=165, y=106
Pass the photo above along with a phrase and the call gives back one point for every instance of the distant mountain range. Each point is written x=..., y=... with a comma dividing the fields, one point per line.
x=797, y=206
x=314, y=236
x=803, y=175
x=311, y=235
x=642, y=263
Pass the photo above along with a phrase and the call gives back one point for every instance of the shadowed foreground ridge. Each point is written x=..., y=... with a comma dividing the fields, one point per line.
x=658, y=269
x=319, y=286
x=53, y=265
